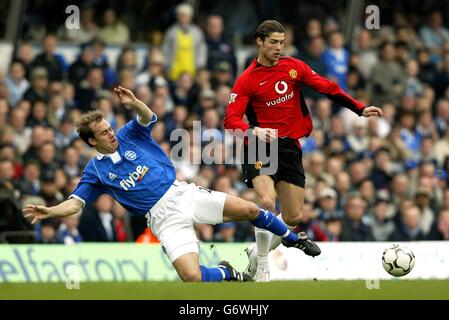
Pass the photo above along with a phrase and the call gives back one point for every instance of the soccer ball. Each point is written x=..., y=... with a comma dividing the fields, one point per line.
x=398, y=260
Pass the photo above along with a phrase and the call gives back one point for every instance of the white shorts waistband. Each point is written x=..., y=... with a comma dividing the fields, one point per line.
x=170, y=190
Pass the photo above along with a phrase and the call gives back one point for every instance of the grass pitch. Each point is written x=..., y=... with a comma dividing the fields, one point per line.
x=276, y=290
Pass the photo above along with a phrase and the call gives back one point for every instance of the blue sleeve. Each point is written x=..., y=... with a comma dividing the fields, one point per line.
x=135, y=130
x=88, y=189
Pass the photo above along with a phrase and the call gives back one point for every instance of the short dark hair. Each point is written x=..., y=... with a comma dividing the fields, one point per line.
x=83, y=126
x=268, y=26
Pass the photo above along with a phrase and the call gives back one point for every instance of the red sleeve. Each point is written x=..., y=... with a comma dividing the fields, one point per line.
x=328, y=88
x=238, y=101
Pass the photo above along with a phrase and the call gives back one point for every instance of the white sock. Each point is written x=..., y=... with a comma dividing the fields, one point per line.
x=263, y=238
x=275, y=240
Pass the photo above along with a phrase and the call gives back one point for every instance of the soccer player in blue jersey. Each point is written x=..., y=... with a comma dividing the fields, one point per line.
x=132, y=168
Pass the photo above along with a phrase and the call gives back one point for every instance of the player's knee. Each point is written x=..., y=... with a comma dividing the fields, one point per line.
x=252, y=211
x=267, y=203
x=191, y=275
x=248, y=211
x=293, y=218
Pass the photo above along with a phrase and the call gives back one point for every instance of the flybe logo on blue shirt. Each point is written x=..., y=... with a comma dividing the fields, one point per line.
x=135, y=176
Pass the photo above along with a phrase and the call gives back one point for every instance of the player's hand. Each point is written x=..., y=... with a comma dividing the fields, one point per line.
x=35, y=212
x=265, y=134
x=372, y=111
x=126, y=96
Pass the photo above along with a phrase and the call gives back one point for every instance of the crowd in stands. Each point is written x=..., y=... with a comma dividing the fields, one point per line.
x=373, y=179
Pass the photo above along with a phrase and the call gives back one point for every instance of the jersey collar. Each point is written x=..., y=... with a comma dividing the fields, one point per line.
x=115, y=157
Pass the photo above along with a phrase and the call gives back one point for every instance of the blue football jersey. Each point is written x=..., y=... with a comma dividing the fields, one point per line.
x=137, y=175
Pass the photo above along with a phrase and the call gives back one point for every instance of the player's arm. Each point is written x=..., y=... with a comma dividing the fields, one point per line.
x=334, y=92
x=238, y=102
x=64, y=209
x=128, y=98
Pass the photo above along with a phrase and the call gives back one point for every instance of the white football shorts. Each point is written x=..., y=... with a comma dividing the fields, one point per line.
x=172, y=218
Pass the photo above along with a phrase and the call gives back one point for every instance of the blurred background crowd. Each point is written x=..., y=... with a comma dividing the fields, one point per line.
x=373, y=179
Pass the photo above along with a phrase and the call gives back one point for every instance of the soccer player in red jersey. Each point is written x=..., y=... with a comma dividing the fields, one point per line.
x=268, y=92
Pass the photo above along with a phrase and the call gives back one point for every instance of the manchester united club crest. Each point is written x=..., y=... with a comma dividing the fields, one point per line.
x=293, y=73
x=258, y=165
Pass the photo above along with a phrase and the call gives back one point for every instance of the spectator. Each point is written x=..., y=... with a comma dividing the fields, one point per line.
x=49, y=190
x=154, y=72
x=79, y=70
x=30, y=184
x=53, y=62
x=413, y=86
x=314, y=29
x=367, y=53
x=66, y=133
x=408, y=133
x=379, y=222
x=218, y=49
x=408, y=229
x=327, y=205
x=38, y=138
x=441, y=81
x=333, y=229
x=38, y=115
x=354, y=228
x=39, y=89
x=71, y=160
x=16, y=82
x=368, y=192
x=441, y=119
x=127, y=60
x=122, y=223
x=425, y=126
x=383, y=171
x=434, y=34
x=91, y=89
x=427, y=216
x=312, y=56
x=225, y=232
x=289, y=46
x=310, y=225
x=113, y=31
x=46, y=232
x=358, y=139
x=25, y=55
x=440, y=229
x=387, y=79
x=427, y=70
x=336, y=59
x=184, y=46
x=68, y=230
x=97, y=222
x=47, y=159
x=22, y=133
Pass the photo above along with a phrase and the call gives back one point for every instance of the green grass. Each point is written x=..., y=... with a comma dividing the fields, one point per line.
x=283, y=290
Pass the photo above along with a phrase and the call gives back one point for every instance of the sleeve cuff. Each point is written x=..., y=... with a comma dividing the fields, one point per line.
x=360, y=111
x=78, y=198
x=153, y=120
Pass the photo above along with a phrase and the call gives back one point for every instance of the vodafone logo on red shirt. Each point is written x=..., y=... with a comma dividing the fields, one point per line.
x=281, y=87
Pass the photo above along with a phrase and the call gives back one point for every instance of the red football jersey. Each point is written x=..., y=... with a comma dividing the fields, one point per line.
x=271, y=97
